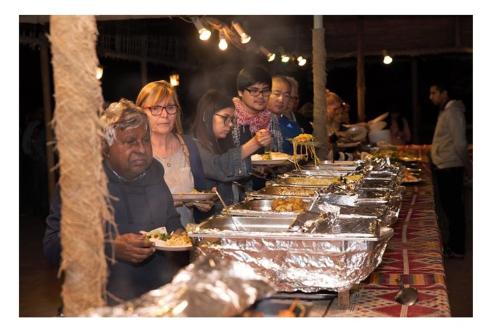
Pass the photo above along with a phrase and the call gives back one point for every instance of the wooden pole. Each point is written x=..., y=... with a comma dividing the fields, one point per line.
x=360, y=70
x=47, y=114
x=319, y=83
x=84, y=195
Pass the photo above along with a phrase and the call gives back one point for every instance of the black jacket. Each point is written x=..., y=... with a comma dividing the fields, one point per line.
x=142, y=204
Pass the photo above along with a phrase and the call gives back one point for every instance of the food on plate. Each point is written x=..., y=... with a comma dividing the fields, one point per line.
x=270, y=156
x=160, y=237
x=178, y=237
x=288, y=205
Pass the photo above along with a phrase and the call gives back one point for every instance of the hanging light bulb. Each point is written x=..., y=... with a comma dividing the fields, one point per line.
x=245, y=38
x=285, y=58
x=222, y=41
x=387, y=59
x=174, y=79
x=301, y=61
x=99, y=72
x=204, y=32
x=270, y=55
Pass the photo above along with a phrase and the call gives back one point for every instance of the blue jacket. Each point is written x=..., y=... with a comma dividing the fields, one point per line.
x=142, y=204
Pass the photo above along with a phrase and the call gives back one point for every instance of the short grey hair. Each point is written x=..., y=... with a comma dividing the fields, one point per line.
x=122, y=115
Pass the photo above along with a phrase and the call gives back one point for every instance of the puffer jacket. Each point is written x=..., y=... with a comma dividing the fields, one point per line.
x=143, y=204
x=449, y=144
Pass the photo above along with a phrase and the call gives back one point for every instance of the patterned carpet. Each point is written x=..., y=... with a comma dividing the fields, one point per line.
x=414, y=254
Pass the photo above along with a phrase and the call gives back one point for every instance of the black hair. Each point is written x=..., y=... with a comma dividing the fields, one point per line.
x=210, y=103
x=251, y=75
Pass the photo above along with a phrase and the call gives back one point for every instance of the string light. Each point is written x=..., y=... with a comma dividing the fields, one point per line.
x=222, y=41
x=99, y=72
x=245, y=38
x=301, y=61
x=204, y=32
x=270, y=55
x=387, y=59
x=174, y=79
x=236, y=36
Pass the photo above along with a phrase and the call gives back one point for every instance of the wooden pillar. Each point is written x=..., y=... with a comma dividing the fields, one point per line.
x=360, y=70
x=319, y=83
x=47, y=114
x=415, y=108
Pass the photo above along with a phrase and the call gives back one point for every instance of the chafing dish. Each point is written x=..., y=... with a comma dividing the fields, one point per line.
x=296, y=261
x=263, y=207
x=278, y=191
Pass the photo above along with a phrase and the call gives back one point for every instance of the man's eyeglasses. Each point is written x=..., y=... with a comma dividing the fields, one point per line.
x=228, y=119
x=255, y=92
x=156, y=110
x=281, y=94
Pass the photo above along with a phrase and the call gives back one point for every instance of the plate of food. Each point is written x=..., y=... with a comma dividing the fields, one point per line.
x=176, y=241
x=271, y=158
x=194, y=195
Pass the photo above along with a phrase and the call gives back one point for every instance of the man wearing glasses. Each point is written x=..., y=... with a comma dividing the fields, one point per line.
x=282, y=128
x=254, y=88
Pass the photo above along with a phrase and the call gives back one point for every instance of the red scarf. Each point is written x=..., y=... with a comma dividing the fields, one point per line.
x=244, y=117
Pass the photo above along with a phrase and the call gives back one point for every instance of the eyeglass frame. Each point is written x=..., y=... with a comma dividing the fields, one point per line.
x=225, y=118
x=163, y=108
x=256, y=92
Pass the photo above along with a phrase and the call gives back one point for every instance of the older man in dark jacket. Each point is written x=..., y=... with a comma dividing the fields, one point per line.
x=141, y=201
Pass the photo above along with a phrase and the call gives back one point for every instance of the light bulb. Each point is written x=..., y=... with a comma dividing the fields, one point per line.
x=301, y=61
x=222, y=43
x=387, y=59
x=245, y=38
x=99, y=72
x=285, y=58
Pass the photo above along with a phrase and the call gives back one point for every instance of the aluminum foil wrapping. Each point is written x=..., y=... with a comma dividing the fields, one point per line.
x=294, y=261
x=307, y=265
x=207, y=287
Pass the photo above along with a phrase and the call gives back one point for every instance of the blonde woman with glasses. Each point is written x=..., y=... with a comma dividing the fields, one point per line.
x=176, y=152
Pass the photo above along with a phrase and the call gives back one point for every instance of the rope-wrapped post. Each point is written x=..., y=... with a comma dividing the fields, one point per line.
x=319, y=82
x=83, y=183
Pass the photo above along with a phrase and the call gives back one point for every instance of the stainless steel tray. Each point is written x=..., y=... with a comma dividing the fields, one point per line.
x=262, y=208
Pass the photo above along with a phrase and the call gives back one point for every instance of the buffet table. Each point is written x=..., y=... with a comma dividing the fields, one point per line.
x=414, y=255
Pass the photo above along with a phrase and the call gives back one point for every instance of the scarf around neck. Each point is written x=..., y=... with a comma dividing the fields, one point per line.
x=245, y=118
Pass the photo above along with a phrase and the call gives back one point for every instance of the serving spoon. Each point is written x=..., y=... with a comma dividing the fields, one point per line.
x=407, y=296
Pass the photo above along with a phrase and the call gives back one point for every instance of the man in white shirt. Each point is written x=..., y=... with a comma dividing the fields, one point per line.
x=449, y=158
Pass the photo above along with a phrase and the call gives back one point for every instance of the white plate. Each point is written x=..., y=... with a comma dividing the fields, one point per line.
x=163, y=247
x=193, y=196
x=271, y=162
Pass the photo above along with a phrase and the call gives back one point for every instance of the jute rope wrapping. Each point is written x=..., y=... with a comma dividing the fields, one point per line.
x=319, y=78
x=84, y=193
